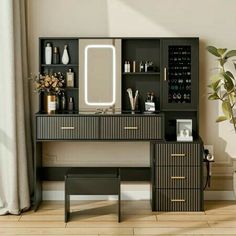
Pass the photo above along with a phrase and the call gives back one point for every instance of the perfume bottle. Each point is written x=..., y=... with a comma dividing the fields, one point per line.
x=141, y=67
x=128, y=66
x=55, y=57
x=48, y=54
x=70, y=79
x=63, y=102
x=70, y=104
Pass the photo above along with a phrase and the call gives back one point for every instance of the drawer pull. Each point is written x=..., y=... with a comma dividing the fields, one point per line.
x=177, y=177
x=67, y=127
x=177, y=200
x=130, y=128
x=177, y=155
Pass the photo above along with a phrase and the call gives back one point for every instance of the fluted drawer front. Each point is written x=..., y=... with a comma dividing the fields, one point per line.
x=178, y=200
x=67, y=127
x=131, y=127
x=180, y=154
x=178, y=177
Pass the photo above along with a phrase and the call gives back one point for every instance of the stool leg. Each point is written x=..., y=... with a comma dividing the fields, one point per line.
x=67, y=207
x=119, y=207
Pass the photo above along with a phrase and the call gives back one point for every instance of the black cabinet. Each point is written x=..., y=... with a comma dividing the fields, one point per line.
x=179, y=73
x=72, y=48
x=172, y=76
x=177, y=176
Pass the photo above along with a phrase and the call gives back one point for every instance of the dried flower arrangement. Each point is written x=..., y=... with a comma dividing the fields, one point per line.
x=50, y=83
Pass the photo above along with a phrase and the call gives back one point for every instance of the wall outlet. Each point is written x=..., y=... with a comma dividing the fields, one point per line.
x=210, y=148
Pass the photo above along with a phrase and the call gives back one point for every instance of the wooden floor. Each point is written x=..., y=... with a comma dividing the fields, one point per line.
x=99, y=218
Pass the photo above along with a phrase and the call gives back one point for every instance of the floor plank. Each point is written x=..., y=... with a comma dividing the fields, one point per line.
x=100, y=218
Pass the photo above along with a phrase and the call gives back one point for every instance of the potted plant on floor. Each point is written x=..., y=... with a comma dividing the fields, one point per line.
x=223, y=84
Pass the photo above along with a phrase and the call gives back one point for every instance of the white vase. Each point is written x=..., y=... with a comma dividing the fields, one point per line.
x=65, y=56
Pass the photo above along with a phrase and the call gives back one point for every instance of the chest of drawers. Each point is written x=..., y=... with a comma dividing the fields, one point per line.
x=177, y=180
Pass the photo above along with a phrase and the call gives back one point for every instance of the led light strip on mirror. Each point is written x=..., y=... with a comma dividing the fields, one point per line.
x=113, y=75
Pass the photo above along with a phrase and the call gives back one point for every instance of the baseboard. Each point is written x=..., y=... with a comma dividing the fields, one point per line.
x=219, y=195
x=134, y=195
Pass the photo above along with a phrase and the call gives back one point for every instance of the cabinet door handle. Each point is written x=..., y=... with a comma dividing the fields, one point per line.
x=177, y=155
x=67, y=127
x=177, y=177
x=130, y=128
x=165, y=74
x=177, y=200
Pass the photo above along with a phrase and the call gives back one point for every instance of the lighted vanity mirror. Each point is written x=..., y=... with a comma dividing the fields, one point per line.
x=99, y=74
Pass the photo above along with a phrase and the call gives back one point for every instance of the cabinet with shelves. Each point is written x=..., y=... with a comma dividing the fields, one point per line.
x=140, y=50
x=179, y=72
x=72, y=47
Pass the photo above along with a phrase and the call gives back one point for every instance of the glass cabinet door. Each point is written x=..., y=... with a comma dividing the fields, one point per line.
x=179, y=73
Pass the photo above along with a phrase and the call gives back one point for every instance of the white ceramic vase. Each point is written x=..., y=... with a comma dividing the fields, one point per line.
x=65, y=56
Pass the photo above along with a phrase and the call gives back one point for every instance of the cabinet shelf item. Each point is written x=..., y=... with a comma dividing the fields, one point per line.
x=141, y=73
x=59, y=65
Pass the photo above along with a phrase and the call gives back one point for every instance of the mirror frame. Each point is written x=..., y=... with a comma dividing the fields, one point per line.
x=100, y=46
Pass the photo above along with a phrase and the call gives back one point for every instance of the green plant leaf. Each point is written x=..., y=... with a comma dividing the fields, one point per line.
x=221, y=51
x=226, y=108
x=230, y=74
x=229, y=84
x=216, y=78
x=215, y=85
x=213, y=50
x=221, y=118
x=231, y=53
x=213, y=96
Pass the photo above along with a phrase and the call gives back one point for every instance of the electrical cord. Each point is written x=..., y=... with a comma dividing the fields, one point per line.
x=208, y=167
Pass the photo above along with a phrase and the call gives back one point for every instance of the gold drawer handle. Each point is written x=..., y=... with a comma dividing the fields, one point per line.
x=67, y=127
x=177, y=200
x=177, y=177
x=178, y=155
x=165, y=72
x=130, y=128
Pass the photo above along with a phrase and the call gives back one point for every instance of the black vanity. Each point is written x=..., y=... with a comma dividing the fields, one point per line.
x=175, y=173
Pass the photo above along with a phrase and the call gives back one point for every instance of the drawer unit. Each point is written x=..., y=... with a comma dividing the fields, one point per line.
x=178, y=154
x=132, y=127
x=67, y=127
x=178, y=177
x=178, y=200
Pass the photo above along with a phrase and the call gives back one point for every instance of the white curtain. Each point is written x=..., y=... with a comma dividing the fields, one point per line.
x=15, y=129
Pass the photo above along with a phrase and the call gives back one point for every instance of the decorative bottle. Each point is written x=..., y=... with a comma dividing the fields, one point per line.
x=55, y=58
x=63, y=102
x=70, y=79
x=65, y=56
x=48, y=54
x=70, y=104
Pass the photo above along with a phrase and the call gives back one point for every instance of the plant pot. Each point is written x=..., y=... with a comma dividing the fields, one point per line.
x=51, y=104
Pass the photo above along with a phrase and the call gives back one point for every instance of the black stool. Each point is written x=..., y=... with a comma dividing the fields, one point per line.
x=91, y=181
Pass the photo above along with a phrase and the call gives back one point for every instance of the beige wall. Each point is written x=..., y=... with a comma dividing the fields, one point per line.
x=213, y=21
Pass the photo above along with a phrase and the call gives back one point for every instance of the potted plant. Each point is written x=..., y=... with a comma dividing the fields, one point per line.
x=51, y=85
x=223, y=84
